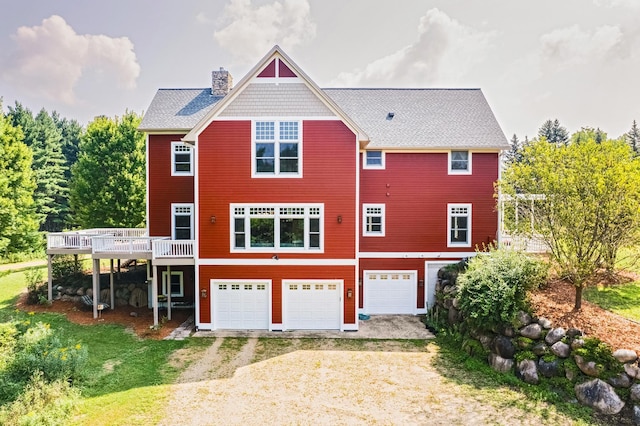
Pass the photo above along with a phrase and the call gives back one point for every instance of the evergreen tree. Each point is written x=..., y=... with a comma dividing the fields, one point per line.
x=632, y=137
x=18, y=224
x=108, y=180
x=514, y=155
x=553, y=132
x=22, y=117
x=71, y=132
x=588, y=134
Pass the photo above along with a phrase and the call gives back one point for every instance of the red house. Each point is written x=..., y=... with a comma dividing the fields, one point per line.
x=296, y=207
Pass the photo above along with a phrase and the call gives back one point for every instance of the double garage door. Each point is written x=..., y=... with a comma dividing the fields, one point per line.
x=390, y=292
x=306, y=304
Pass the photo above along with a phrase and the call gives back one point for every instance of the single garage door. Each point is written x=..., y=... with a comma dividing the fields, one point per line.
x=312, y=305
x=240, y=305
x=390, y=292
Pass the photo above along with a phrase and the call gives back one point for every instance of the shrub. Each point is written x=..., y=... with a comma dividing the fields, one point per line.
x=599, y=352
x=33, y=277
x=494, y=287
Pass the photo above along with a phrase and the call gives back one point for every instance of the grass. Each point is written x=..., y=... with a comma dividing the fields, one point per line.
x=622, y=299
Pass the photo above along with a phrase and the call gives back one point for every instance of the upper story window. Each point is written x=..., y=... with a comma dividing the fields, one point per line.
x=182, y=221
x=459, y=225
x=181, y=159
x=283, y=227
x=277, y=149
x=460, y=162
x=374, y=160
x=373, y=220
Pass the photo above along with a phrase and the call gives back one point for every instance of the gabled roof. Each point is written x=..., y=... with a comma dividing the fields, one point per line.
x=422, y=118
x=177, y=109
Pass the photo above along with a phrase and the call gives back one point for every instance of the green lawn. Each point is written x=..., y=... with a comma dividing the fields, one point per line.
x=623, y=299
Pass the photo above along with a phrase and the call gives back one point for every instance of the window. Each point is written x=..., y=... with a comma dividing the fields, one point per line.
x=177, y=283
x=277, y=149
x=283, y=227
x=373, y=160
x=181, y=159
x=373, y=220
x=459, y=162
x=182, y=221
x=459, y=226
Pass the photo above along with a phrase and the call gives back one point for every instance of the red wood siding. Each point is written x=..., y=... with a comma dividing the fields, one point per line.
x=277, y=274
x=329, y=177
x=163, y=188
x=416, y=188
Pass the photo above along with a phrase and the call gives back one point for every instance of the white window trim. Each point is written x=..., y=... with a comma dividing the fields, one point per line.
x=459, y=172
x=469, y=221
x=374, y=166
x=174, y=206
x=366, y=233
x=174, y=172
x=165, y=286
x=276, y=229
x=276, y=149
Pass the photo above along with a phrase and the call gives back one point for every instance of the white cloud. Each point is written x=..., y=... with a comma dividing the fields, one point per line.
x=49, y=60
x=617, y=3
x=445, y=51
x=251, y=31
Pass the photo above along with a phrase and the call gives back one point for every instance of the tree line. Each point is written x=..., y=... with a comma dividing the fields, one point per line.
x=56, y=175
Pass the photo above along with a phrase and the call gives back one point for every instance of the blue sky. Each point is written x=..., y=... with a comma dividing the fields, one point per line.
x=574, y=60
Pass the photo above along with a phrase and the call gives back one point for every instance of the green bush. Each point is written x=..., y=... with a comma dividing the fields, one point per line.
x=599, y=352
x=33, y=277
x=494, y=287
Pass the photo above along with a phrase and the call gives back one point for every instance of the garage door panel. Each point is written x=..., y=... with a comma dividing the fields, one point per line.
x=240, y=305
x=312, y=305
x=390, y=292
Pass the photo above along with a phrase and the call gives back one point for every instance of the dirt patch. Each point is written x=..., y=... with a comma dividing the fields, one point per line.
x=139, y=324
x=555, y=302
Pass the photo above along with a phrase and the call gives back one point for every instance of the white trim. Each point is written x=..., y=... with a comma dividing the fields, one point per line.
x=196, y=232
x=468, y=171
x=469, y=220
x=174, y=206
x=417, y=255
x=426, y=278
x=277, y=262
x=414, y=289
x=367, y=233
x=216, y=281
x=272, y=118
x=367, y=166
x=285, y=301
x=276, y=80
x=276, y=149
x=174, y=145
x=164, y=283
x=306, y=249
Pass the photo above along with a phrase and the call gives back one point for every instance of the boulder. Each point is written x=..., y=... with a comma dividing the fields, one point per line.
x=131, y=287
x=549, y=369
x=540, y=349
x=544, y=323
x=636, y=415
x=634, y=392
x=485, y=341
x=561, y=349
x=454, y=315
x=121, y=302
x=555, y=335
x=587, y=367
x=89, y=292
x=455, y=303
x=499, y=364
x=527, y=372
x=632, y=370
x=503, y=346
x=508, y=331
x=80, y=292
x=625, y=355
x=600, y=396
x=532, y=331
x=577, y=343
x=522, y=319
x=620, y=381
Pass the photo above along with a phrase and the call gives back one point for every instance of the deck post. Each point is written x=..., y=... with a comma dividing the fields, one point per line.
x=113, y=297
x=96, y=286
x=50, y=277
x=168, y=283
x=154, y=294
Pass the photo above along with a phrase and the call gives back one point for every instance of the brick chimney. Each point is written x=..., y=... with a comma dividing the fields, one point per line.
x=221, y=82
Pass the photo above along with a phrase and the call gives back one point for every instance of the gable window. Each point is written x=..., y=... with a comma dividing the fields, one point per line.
x=283, y=227
x=373, y=220
x=177, y=283
x=181, y=159
x=182, y=221
x=277, y=149
x=374, y=160
x=460, y=162
x=459, y=225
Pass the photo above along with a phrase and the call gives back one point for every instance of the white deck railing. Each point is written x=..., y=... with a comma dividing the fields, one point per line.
x=109, y=244
x=172, y=248
x=68, y=240
x=526, y=244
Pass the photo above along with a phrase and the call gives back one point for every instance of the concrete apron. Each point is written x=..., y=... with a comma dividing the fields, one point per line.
x=405, y=327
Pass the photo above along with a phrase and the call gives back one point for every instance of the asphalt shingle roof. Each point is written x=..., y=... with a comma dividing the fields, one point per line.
x=422, y=118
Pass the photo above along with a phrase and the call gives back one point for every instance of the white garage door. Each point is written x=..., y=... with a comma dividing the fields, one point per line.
x=390, y=292
x=312, y=305
x=240, y=305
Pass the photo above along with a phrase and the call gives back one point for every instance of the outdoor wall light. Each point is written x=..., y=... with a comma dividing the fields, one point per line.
x=339, y=218
x=275, y=257
x=203, y=293
x=212, y=219
x=349, y=293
